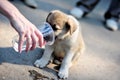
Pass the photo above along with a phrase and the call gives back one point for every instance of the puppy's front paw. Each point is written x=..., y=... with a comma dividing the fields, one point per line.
x=41, y=63
x=63, y=73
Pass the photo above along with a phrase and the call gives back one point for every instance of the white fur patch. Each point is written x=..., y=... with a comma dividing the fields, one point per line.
x=45, y=58
x=41, y=63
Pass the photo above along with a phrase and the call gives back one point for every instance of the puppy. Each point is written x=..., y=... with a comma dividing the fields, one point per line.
x=68, y=43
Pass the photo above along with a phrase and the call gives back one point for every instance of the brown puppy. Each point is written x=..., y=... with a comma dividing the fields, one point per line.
x=68, y=43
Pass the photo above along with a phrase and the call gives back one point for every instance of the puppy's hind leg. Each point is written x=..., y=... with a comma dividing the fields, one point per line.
x=76, y=57
x=45, y=58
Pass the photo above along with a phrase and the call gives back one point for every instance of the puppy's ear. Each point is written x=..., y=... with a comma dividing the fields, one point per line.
x=48, y=16
x=70, y=25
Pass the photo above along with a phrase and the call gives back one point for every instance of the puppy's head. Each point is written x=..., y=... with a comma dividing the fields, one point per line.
x=62, y=25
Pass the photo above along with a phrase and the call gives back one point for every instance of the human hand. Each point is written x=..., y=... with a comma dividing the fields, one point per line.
x=27, y=31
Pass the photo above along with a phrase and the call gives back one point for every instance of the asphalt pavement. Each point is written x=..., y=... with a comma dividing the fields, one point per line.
x=100, y=61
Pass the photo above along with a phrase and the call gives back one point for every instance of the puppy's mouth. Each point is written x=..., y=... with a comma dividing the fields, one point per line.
x=55, y=37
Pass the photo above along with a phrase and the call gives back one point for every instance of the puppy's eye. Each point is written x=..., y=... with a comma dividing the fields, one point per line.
x=54, y=27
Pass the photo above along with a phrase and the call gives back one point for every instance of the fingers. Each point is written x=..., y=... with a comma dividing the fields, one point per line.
x=41, y=41
x=28, y=43
x=21, y=41
x=31, y=40
x=34, y=41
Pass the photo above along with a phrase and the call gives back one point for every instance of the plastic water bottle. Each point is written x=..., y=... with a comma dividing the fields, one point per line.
x=48, y=35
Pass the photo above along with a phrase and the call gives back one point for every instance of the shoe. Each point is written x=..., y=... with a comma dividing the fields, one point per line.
x=31, y=3
x=111, y=24
x=77, y=12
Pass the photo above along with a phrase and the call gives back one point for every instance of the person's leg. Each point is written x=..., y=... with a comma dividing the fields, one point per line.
x=83, y=7
x=112, y=15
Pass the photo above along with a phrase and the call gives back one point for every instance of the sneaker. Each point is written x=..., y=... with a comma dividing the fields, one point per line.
x=77, y=12
x=111, y=24
x=31, y=3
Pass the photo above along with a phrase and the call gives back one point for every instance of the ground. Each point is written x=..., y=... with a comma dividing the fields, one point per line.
x=100, y=60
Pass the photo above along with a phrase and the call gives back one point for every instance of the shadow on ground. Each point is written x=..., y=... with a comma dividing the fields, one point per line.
x=8, y=55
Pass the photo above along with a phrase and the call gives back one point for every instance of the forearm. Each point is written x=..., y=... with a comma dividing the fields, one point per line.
x=9, y=10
